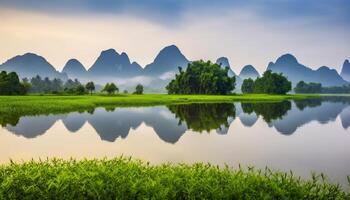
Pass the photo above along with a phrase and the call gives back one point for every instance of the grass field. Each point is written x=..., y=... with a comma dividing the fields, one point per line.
x=122, y=178
x=33, y=105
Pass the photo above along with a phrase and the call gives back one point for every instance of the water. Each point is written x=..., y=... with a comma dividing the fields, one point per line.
x=302, y=136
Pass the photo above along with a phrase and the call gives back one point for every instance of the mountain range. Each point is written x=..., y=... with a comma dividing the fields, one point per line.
x=111, y=66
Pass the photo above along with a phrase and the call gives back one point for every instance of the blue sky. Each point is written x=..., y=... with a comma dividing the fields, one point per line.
x=247, y=32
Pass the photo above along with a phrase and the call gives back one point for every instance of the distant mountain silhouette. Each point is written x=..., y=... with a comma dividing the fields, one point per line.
x=223, y=61
x=289, y=66
x=111, y=64
x=249, y=71
x=74, y=69
x=30, y=65
x=345, y=72
x=166, y=63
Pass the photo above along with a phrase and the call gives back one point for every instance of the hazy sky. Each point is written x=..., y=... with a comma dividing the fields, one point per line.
x=253, y=32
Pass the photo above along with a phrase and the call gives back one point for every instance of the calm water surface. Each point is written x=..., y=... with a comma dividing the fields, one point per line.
x=303, y=136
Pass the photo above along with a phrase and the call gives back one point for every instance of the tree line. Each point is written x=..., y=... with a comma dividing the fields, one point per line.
x=10, y=84
x=309, y=88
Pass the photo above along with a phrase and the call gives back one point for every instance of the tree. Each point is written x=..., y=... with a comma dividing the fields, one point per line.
x=11, y=85
x=272, y=83
x=110, y=88
x=139, y=89
x=90, y=86
x=80, y=89
x=248, y=86
x=202, y=78
x=125, y=92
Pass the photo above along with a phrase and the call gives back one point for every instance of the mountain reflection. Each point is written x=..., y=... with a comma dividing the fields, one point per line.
x=172, y=121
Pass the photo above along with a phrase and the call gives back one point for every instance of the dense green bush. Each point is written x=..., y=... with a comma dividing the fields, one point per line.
x=121, y=178
x=272, y=83
x=202, y=78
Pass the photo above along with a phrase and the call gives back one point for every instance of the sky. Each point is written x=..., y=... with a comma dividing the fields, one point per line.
x=252, y=32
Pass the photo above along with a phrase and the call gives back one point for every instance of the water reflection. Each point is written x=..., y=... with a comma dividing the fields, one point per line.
x=171, y=122
x=205, y=117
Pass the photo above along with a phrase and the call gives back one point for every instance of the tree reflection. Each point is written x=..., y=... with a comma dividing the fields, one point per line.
x=204, y=117
x=269, y=111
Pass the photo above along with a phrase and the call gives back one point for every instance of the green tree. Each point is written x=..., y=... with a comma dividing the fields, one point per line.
x=248, y=86
x=272, y=83
x=90, y=86
x=11, y=85
x=139, y=89
x=80, y=89
x=110, y=88
x=202, y=78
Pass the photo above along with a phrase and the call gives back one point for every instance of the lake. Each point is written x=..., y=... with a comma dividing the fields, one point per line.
x=303, y=136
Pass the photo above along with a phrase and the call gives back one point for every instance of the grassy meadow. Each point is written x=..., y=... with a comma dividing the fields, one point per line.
x=123, y=178
x=35, y=105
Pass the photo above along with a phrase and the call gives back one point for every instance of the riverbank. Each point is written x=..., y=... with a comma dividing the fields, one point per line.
x=123, y=178
x=33, y=105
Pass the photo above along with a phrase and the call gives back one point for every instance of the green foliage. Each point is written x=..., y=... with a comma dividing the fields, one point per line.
x=123, y=178
x=204, y=117
x=125, y=92
x=248, y=86
x=11, y=85
x=303, y=87
x=202, y=78
x=110, y=88
x=272, y=83
x=90, y=86
x=139, y=89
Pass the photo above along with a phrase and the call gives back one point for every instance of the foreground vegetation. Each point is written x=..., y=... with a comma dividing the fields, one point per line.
x=122, y=178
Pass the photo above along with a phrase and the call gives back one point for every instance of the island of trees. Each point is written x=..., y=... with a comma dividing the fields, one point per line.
x=269, y=83
x=202, y=78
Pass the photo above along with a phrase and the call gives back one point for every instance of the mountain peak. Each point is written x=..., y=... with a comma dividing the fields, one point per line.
x=29, y=65
x=345, y=71
x=287, y=58
x=169, y=50
x=109, y=52
x=223, y=61
x=74, y=69
x=249, y=71
x=73, y=61
x=167, y=60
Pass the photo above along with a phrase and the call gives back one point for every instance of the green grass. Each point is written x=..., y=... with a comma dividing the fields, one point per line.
x=122, y=178
x=31, y=105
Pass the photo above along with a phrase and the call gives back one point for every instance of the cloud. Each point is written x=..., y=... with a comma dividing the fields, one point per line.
x=171, y=11
x=247, y=32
